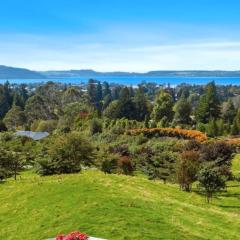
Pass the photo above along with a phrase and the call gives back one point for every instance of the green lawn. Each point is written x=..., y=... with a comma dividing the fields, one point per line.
x=236, y=166
x=113, y=207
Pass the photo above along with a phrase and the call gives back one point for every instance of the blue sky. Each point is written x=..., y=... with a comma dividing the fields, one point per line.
x=133, y=35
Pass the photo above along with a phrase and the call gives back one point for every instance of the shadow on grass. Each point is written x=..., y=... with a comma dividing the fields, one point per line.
x=228, y=194
x=229, y=207
x=233, y=186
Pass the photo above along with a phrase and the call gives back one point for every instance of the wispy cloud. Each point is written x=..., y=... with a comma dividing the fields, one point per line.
x=118, y=48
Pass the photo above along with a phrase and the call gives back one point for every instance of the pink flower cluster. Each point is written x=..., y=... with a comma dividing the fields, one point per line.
x=73, y=236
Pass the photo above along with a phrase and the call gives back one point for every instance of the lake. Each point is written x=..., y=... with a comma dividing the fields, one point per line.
x=135, y=80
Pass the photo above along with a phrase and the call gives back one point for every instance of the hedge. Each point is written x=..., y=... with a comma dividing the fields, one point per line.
x=170, y=132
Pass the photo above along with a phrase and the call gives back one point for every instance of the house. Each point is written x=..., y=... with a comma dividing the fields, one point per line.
x=33, y=135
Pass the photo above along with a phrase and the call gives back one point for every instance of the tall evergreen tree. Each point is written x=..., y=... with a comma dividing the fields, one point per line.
x=18, y=100
x=212, y=128
x=209, y=105
x=182, y=111
x=106, y=101
x=99, y=92
x=116, y=92
x=23, y=92
x=230, y=112
x=235, y=128
x=92, y=91
x=126, y=105
x=163, y=107
x=106, y=89
x=141, y=104
x=5, y=99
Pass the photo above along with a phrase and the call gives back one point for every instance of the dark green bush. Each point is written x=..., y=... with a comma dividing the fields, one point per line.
x=66, y=154
x=109, y=166
x=95, y=126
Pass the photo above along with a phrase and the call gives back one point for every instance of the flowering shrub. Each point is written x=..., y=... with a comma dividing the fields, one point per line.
x=73, y=236
x=234, y=141
x=170, y=132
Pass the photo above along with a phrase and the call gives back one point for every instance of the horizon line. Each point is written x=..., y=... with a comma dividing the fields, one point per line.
x=125, y=71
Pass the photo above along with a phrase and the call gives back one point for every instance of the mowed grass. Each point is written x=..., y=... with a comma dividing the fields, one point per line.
x=113, y=207
x=236, y=166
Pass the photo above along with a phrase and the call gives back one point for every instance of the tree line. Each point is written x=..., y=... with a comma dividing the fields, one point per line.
x=211, y=109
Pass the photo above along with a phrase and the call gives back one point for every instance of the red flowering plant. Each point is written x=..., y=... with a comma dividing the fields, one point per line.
x=73, y=236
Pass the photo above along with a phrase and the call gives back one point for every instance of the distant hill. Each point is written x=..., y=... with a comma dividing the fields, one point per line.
x=86, y=73
x=21, y=73
x=14, y=73
x=92, y=74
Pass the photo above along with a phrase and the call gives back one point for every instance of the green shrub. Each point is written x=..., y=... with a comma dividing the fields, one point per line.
x=47, y=126
x=109, y=166
x=211, y=180
x=66, y=154
x=6, y=137
x=95, y=126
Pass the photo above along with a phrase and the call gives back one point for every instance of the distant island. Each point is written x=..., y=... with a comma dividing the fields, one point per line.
x=22, y=73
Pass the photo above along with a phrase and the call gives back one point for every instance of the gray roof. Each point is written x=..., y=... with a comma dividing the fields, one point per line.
x=34, y=135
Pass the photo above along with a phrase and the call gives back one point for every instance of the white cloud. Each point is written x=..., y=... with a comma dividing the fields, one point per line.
x=111, y=51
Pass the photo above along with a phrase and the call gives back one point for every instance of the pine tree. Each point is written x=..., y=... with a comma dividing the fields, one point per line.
x=5, y=99
x=235, y=128
x=106, y=101
x=92, y=91
x=141, y=105
x=163, y=107
x=209, y=105
x=126, y=105
x=230, y=112
x=99, y=92
x=23, y=92
x=182, y=111
x=106, y=89
x=212, y=128
x=18, y=100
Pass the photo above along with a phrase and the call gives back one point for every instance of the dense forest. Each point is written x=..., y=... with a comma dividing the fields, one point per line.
x=183, y=134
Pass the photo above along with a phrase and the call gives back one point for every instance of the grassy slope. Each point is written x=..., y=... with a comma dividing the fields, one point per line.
x=236, y=166
x=113, y=207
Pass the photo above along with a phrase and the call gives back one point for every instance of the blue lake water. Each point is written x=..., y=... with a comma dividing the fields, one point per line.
x=136, y=80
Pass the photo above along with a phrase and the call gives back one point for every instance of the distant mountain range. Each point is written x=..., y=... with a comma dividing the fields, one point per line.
x=15, y=73
x=21, y=73
x=92, y=74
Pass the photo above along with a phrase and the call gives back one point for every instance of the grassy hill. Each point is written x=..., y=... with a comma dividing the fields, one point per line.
x=114, y=207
